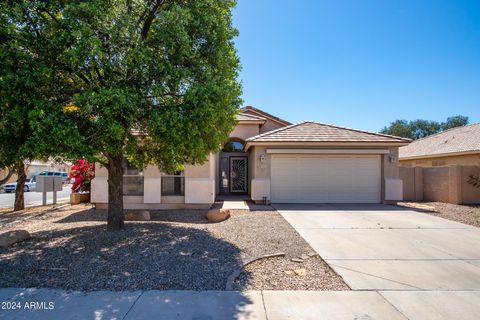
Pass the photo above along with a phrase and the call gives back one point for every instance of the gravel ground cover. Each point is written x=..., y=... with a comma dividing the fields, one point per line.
x=284, y=274
x=468, y=214
x=8, y=215
x=177, y=250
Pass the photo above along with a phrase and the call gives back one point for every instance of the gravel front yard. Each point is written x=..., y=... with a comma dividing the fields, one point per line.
x=468, y=214
x=181, y=250
x=8, y=216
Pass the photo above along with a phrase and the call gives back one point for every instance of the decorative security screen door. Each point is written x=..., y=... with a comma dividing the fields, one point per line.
x=238, y=174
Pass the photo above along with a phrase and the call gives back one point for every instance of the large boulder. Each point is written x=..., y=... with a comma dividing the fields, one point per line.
x=138, y=216
x=10, y=237
x=218, y=215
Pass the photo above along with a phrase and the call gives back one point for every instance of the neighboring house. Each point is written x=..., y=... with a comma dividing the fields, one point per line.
x=269, y=159
x=439, y=167
x=35, y=167
x=457, y=146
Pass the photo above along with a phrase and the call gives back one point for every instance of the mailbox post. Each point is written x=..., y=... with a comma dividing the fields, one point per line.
x=48, y=184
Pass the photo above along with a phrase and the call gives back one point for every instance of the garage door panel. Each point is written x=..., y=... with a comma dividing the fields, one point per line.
x=311, y=179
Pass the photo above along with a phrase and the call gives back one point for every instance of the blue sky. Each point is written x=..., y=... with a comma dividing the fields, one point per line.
x=360, y=63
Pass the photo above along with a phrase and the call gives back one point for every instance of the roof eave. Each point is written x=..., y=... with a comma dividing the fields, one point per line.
x=326, y=143
x=438, y=155
x=251, y=121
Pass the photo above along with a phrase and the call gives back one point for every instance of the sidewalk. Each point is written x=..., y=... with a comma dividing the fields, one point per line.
x=42, y=304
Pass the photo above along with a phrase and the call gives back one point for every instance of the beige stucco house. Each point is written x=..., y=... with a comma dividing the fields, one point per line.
x=457, y=146
x=441, y=166
x=269, y=159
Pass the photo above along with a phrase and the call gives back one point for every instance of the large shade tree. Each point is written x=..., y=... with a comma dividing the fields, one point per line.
x=29, y=89
x=153, y=81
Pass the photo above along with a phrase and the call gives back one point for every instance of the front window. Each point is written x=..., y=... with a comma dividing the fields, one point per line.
x=132, y=180
x=173, y=184
x=233, y=146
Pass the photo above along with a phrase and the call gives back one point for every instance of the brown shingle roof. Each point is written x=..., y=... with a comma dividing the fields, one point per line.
x=320, y=132
x=249, y=117
x=265, y=114
x=456, y=140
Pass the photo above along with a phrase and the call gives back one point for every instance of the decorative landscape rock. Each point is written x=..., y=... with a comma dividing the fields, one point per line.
x=218, y=215
x=301, y=272
x=138, y=216
x=10, y=237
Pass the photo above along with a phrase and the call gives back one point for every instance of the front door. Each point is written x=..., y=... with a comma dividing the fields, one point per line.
x=238, y=174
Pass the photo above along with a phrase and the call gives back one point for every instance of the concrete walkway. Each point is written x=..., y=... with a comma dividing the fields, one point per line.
x=42, y=304
x=235, y=205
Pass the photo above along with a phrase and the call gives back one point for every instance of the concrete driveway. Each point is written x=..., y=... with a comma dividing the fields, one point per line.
x=424, y=266
x=383, y=247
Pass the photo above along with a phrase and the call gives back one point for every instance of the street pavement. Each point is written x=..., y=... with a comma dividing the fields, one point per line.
x=33, y=198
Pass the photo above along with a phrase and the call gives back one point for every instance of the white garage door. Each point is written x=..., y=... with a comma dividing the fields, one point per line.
x=326, y=178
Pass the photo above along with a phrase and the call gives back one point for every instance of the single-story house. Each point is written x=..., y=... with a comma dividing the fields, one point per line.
x=441, y=167
x=270, y=160
x=457, y=146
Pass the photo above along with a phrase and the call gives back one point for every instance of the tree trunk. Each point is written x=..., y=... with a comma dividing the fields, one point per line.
x=10, y=173
x=19, y=191
x=115, y=192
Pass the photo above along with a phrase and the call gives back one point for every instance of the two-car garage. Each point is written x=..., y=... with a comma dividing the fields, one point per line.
x=313, y=162
x=302, y=178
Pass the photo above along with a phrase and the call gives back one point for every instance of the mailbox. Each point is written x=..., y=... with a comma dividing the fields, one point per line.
x=44, y=184
x=57, y=184
x=48, y=184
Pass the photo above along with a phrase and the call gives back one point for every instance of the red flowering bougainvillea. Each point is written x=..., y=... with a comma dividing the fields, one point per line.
x=83, y=172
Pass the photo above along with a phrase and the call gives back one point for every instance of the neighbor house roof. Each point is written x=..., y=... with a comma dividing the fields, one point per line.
x=242, y=116
x=310, y=131
x=455, y=141
x=264, y=114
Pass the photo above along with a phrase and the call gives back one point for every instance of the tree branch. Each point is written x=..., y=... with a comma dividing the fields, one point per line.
x=10, y=173
x=149, y=19
x=97, y=71
x=51, y=15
